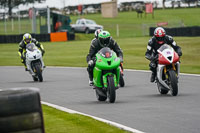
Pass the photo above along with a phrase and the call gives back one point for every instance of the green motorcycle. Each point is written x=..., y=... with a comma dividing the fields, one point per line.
x=106, y=74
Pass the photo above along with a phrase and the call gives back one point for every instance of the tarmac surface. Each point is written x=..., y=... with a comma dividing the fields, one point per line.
x=138, y=105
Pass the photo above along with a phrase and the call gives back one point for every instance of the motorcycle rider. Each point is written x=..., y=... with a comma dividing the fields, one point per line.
x=104, y=40
x=154, y=44
x=96, y=33
x=27, y=38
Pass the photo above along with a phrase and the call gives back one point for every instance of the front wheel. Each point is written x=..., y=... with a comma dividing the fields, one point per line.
x=111, y=89
x=39, y=72
x=173, y=82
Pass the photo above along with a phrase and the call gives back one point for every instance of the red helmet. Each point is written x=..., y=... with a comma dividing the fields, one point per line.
x=159, y=34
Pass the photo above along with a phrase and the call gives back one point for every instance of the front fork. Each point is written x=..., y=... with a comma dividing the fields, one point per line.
x=105, y=80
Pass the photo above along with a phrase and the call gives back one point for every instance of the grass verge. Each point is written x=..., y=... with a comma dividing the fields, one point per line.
x=73, y=53
x=61, y=122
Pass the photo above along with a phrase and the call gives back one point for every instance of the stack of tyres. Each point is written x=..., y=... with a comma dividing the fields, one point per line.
x=20, y=111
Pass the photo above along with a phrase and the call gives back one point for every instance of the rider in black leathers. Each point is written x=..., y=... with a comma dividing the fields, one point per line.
x=154, y=44
x=96, y=45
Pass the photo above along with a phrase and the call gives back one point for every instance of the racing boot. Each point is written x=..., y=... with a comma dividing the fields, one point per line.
x=91, y=80
x=153, y=76
x=26, y=69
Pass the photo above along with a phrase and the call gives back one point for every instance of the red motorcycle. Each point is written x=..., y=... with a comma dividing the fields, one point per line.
x=168, y=70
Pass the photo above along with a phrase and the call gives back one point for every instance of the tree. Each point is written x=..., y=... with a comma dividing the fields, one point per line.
x=189, y=1
x=10, y=4
x=163, y=4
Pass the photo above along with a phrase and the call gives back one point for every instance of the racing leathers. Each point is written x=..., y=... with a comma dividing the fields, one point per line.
x=22, y=49
x=94, y=48
x=152, y=54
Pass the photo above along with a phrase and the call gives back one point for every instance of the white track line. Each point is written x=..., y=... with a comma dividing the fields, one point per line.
x=94, y=117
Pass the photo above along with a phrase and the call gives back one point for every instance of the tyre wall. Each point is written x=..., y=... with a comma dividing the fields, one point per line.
x=21, y=111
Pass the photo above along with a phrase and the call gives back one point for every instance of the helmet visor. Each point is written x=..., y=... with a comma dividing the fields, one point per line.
x=27, y=40
x=160, y=40
x=105, y=41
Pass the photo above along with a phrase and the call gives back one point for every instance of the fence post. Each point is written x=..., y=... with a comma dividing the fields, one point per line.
x=117, y=26
x=12, y=24
x=34, y=27
x=48, y=20
x=5, y=26
x=19, y=22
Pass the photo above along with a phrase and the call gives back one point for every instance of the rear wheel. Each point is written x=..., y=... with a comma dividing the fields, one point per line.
x=162, y=89
x=121, y=81
x=173, y=82
x=35, y=78
x=111, y=90
x=99, y=97
x=39, y=72
x=73, y=30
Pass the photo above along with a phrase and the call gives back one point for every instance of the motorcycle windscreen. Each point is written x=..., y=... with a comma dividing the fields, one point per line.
x=30, y=46
x=106, y=52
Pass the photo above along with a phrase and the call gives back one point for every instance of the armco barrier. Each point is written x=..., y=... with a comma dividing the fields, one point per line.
x=40, y=37
x=181, y=31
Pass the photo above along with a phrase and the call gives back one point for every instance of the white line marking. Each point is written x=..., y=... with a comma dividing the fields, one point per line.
x=94, y=117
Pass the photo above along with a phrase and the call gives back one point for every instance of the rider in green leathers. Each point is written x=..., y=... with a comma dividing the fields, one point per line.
x=104, y=40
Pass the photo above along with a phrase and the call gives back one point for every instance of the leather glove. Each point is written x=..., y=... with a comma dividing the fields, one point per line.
x=43, y=52
x=179, y=53
x=154, y=58
x=90, y=62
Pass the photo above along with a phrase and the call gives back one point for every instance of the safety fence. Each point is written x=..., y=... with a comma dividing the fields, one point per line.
x=181, y=31
x=40, y=37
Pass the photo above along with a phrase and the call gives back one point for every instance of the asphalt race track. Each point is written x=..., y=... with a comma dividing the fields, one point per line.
x=138, y=105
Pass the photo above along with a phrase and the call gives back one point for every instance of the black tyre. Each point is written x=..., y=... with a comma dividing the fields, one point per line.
x=87, y=31
x=173, y=83
x=162, y=89
x=35, y=78
x=111, y=90
x=21, y=111
x=39, y=72
x=72, y=30
x=121, y=81
x=100, y=97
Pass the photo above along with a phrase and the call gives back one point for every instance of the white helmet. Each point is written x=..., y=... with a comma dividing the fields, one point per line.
x=96, y=33
x=27, y=38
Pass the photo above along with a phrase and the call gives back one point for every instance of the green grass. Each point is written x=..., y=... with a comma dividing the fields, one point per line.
x=61, y=122
x=129, y=24
x=73, y=53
